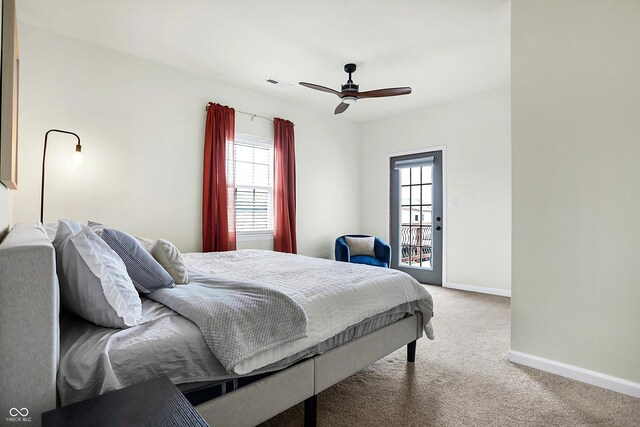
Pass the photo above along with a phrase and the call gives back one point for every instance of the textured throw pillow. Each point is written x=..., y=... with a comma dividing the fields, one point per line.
x=146, y=242
x=94, y=283
x=171, y=260
x=361, y=245
x=146, y=273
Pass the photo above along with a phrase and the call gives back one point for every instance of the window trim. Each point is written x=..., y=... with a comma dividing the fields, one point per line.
x=249, y=236
x=268, y=143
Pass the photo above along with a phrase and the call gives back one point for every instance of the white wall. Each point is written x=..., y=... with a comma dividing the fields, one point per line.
x=142, y=127
x=476, y=134
x=576, y=183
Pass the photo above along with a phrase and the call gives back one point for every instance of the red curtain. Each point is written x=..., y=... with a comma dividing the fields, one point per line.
x=284, y=187
x=218, y=189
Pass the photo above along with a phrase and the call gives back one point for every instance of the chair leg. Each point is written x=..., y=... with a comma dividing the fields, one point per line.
x=310, y=411
x=411, y=351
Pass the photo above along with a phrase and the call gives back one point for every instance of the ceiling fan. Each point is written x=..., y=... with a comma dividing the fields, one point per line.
x=349, y=94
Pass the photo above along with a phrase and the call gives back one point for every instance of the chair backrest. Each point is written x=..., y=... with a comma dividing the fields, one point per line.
x=341, y=248
x=352, y=235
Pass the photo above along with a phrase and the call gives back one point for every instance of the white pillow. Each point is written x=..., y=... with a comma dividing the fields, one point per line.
x=94, y=283
x=361, y=245
x=170, y=258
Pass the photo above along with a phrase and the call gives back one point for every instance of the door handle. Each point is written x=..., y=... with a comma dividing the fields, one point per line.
x=438, y=228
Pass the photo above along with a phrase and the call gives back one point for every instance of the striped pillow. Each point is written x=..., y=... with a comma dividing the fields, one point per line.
x=145, y=272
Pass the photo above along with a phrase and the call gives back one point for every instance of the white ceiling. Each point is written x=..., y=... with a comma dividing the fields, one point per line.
x=443, y=49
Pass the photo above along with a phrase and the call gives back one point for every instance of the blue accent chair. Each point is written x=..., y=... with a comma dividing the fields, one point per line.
x=380, y=247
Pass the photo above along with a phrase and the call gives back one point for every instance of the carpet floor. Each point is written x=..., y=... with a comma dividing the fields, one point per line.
x=463, y=378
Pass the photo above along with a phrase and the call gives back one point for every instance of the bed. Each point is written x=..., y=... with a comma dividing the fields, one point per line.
x=43, y=369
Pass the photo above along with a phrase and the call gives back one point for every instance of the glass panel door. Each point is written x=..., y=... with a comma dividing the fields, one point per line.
x=416, y=215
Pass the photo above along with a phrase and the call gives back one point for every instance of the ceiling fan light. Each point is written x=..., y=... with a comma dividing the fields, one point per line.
x=349, y=99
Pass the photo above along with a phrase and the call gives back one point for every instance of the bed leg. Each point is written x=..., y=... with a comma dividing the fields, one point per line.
x=310, y=411
x=411, y=351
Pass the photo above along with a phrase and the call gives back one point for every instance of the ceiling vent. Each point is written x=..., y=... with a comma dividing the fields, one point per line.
x=278, y=83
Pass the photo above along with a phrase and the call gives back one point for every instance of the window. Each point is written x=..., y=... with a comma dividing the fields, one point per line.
x=416, y=184
x=253, y=169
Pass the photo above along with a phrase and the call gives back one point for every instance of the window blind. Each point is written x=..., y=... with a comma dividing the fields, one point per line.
x=253, y=168
x=412, y=163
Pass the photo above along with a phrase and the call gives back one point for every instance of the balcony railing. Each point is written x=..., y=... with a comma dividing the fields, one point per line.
x=416, y=244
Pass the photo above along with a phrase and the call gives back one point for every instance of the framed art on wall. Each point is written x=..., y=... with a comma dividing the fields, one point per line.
x=9, y=99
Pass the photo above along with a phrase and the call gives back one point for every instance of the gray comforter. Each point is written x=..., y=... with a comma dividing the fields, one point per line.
x=238, y=319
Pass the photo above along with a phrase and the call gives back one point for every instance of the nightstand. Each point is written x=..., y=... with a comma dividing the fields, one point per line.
x=151, y=403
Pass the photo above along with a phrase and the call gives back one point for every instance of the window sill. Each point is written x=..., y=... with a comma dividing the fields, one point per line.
x=268, y=235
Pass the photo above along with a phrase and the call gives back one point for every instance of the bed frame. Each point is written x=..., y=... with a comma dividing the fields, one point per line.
x=30, y=346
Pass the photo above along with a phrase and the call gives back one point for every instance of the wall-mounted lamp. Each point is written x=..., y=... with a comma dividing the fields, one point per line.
x=77, y=157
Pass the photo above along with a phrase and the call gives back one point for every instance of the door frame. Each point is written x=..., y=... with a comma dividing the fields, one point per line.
x=444, y=199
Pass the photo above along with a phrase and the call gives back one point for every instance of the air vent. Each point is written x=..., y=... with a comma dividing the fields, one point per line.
x=279, y=83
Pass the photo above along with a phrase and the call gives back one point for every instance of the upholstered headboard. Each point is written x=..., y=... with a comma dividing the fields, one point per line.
x=29, y=323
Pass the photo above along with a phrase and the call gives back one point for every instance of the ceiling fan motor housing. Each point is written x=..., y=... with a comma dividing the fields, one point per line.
x=350, y=87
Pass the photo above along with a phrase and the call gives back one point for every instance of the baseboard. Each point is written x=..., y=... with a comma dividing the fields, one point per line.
x=480, y=289
x=575, y=373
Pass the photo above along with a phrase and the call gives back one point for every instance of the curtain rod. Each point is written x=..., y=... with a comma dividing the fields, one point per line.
x=253, y=116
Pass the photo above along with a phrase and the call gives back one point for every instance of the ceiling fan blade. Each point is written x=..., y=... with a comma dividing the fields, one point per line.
x=341, y=108
x=378, y=93
x=320, y=88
